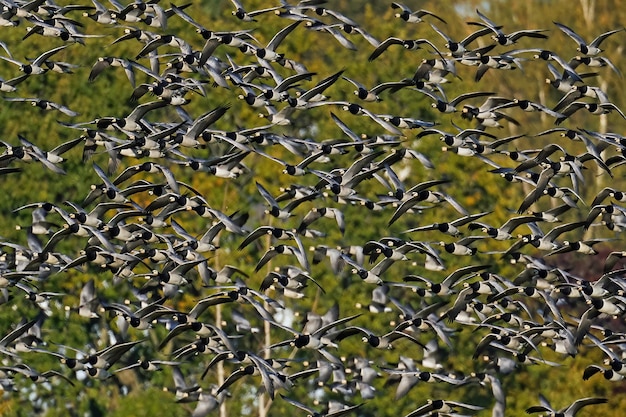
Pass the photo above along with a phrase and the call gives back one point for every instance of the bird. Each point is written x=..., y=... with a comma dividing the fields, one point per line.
x=38, y=65
x=488, y=114
x=248, y=16
x=461, y=247
x=323, y=212
x=165, y=40
x=609, y=374
x=327, y=413
x=530, y=106
x=105, y=62
x=445, y=287
x=445, y=106
x=378, y=301
x=504, y=232
x=371, y=94
x=579, y=91
x=505, y=61
x=562, y=82
x=33, y=375
x=507, y=39
x=133, y=122
x=441, y=406
x=269, y=51
x=258, y=366
x=592, y=61
x=412, y=197
x=371, y=276
x=410, y=16
x=44, y=105
x=298, y=251
x=337, y=34
x=410, y=44
x=275, y=210
x=569, y=411
x=592, y=48
x=9, y=86
x=450, y=228
x=459, y=49
x=32, y=152
x=379, y=342
x=318, y=339
x=303, y=100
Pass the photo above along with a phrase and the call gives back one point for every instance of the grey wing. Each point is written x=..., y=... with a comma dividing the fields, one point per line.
x=258, y=232
x=281, y=35
x=266, y=195
x=600, y=38
x=97, y=68
x=41, y=58
x=64, y=110
x=569, y=32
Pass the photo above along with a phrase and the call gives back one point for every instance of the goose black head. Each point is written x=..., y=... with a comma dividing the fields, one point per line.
x=70, y=362
x=566, y=290
x=335, y=188
x=91, y=252
x=196, y=326
x=616, y=365
x=502, y=39
x=361, y=93
x=111, y=193
x=353, y=108
x=18, y=152
x=362, y=273
x=425, y=376
x=370, y=205
x=411, y=44
x=273, y=211
x=530, y=291
x=164, y=277
x=180, y=318
x=398, y=194
x=479, y=375
x=290, y=170
x=200, y=210
x=420, y=291
x=276, y=232
x=436, y=404
x=372, y=340
x=440, y=105
x=423, y=195
x=395, y=120
x=301, y=340
x=545, y=55
x=79, y=217
x=405, y=15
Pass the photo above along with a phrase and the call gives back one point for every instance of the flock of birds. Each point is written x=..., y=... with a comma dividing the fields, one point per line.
x=129, y=227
